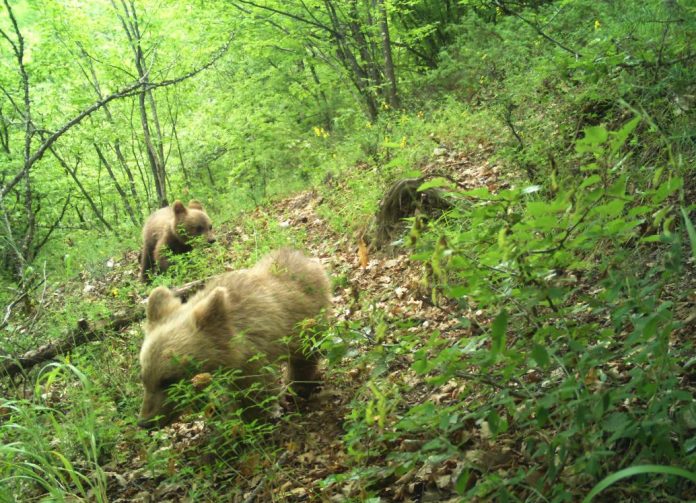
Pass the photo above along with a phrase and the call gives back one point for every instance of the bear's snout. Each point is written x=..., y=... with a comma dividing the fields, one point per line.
x=157, y=411
x=211, y=239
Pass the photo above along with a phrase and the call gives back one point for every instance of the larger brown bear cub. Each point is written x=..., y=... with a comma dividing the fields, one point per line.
x=237, y=317
x=172, y=228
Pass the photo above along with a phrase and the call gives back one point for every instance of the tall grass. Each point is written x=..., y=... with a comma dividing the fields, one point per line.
x=50, y=452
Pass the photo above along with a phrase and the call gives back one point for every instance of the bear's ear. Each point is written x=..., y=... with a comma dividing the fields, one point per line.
x=179, y=208
x=212, y=310
x=160, y=304
x=195, y=205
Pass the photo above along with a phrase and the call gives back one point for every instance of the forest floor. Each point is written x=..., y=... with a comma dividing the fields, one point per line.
x=378, y=292
x=310, y=447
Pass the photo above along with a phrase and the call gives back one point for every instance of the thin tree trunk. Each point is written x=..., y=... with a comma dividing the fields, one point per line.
x=181, y=155
x=371, y=68
x=90, y=201
x=392, y=96
x=155, y=153
x=4, y=132
x=349, y=61
x=155, y=166
x=175, y=134
x=117, y=186
x=139, y=162
x=117, y=144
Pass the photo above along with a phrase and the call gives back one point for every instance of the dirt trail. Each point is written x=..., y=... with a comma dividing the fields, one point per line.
x=311, y=447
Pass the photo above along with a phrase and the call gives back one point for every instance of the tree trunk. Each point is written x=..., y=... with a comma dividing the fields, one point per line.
x=349, y=61
x=117, y=186
x=117, y=144
x=85, y=194
x=155, y=153
x=392, y=96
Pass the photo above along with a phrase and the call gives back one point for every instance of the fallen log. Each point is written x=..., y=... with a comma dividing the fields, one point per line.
x=85, y=332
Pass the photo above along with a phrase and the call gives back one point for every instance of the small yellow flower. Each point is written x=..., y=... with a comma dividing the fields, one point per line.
x=597, y=24
x=320, y=132
x=114, y=292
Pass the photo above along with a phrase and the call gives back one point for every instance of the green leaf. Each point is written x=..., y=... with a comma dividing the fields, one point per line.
x=594, y=137
x=637, y=470
x=420, y=366
x=479, y=193
x=611, y=209
x=596, y=134
x=396, y=162
x=531, y=189
x=618, y=188
x=457, y=291
x=498, y=329
x=590, y=180
x=434, y=183
x=666, y=188
x=462, y=481
x=619, y=137
x=616, y=422
x=639, y=210
x=493, y=420
x=690, y=231
x=540, y=355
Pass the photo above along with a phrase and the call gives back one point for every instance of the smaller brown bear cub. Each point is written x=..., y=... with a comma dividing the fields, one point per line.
x=172, y=228
x=242, y=320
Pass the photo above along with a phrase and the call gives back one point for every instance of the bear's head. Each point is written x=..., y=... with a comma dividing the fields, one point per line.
x=180, y=340
x=192, y=221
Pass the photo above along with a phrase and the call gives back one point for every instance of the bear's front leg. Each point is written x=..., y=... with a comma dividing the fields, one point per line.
x=161, y=252
x=303, y=376
x=147, y=262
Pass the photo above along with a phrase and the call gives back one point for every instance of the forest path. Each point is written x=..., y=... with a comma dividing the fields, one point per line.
x=377, y=298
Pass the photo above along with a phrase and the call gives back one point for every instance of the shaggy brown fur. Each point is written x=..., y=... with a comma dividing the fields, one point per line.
x=237, y=317
x=172, y=228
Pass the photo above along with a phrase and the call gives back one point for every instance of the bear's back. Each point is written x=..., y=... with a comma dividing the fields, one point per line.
x=157, y=224
x=267, y=301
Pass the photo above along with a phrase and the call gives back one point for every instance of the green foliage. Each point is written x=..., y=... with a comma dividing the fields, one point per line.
x=53, y=445
x=637, y=470
x=571, y=276
x=534, y=249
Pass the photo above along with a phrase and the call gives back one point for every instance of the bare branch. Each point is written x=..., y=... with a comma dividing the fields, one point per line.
x=85, y=332
x=291, y=16
x=507, y=10
x=127, y=91
x=53, y=227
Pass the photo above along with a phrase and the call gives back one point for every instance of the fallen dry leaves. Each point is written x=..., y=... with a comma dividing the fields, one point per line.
x=310, y=446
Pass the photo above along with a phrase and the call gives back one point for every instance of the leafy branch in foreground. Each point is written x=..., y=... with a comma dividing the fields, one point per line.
x=578, y=332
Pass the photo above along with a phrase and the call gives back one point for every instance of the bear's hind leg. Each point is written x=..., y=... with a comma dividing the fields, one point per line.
x=303, y=376
x=146, y=264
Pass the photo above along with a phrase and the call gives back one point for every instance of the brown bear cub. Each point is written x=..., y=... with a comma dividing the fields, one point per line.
x=172, y=228
x=242, y=320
